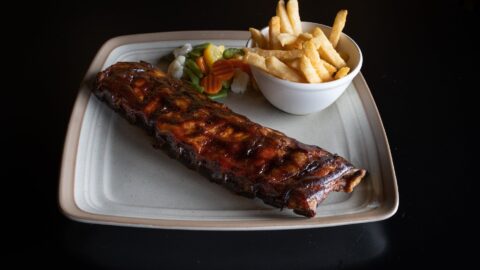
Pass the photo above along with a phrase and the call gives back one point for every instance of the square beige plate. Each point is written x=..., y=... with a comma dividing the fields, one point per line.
x=112, y=175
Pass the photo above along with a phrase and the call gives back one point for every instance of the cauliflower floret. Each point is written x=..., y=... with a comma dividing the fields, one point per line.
x=182, y=50
x=240, y=82
x=181, y=59
x=175, y=69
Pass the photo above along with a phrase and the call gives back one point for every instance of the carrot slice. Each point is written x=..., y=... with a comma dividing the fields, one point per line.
x=200, y=61
x=223, y=70
x=241, y=65
x=211, y=84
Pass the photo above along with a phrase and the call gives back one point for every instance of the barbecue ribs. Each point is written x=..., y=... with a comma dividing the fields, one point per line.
x=228, y=148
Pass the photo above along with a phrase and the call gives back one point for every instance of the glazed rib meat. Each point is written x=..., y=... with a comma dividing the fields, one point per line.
x=228, y=148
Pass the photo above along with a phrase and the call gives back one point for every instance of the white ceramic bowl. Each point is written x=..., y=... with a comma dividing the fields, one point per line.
x=305, y=98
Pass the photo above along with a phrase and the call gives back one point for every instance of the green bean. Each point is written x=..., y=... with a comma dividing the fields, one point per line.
x=197, y=87
x=194, y=54
x=194, y=67
x=223, y=93
x=232, y=52
x=191, y=75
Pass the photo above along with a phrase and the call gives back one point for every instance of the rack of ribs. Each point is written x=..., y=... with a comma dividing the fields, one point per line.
x=228, y=148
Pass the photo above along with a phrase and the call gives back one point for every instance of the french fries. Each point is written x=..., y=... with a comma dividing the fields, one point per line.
x=291, y=54
x=295, y=64
x=286, y=39
x=285, y=25
x=326, y=49
x=274, y=30
x=298, y=43
x=255, y=60
x=259, y=39
x=280, y=54
x=310, y=51
x=294, y=16
x=338, y=26
x=342, y=72
x=279, y=69
x=308, y=70
x=329, y=66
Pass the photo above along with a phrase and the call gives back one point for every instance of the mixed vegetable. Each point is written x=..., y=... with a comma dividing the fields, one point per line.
x=211, y=69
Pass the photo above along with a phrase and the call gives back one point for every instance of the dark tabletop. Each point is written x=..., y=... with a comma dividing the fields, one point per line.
x=418, y=62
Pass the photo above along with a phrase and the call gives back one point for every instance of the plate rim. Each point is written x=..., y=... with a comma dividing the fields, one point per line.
x=69, y=208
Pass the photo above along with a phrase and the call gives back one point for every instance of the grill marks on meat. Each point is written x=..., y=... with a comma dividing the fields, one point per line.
x=249, y=159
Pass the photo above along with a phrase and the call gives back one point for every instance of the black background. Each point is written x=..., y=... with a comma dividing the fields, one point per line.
x=419, y=61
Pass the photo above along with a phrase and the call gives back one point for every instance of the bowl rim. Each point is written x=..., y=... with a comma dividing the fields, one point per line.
x=322, y=86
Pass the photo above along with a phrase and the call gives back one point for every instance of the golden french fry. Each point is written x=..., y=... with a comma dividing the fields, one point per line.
x=331, y=69
x=342, y=72
x=281, y=70
x=298, y=43
x=280, y=54
x=286, y=39
x=295, y=64
x=294, y=16
x=326, y=49
x=255, y=60
x=338, y=26
x=273, y=31
x=258, y=38
x=288, y=53
x=285, y=25
x=305, y=36
x=311, y=52
x=308, y=70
